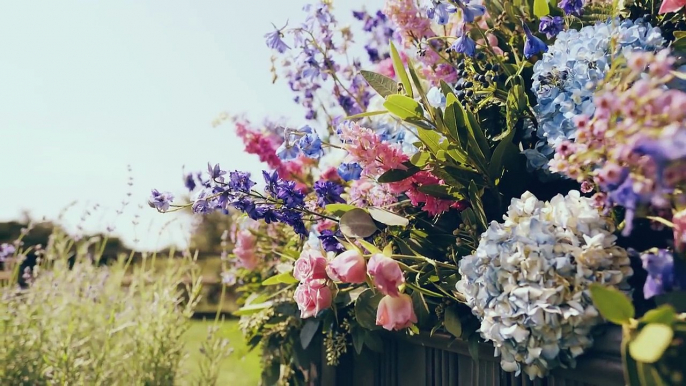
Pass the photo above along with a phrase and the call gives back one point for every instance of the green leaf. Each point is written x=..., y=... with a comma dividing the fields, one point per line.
x=282, y=278
x=679, y=44
x=382, y=84
x=477, y=134
x=339, y=209
x=663, y=315
x=395, y=175
x=631, y=375
x=420, y=159
x=367, y=114
x=365, y=309
x=418, y=85
x=612, y=304
x=388, y=218
x=349, y=297
x=308, y=331
x=516, y=103
x=431, y=139
x=651, y=343
x=541, y=8
x=357, y=223
x=452, y=322
x=369, y=246
x=477, y=205
x=404, y=107
x=400, y=70
x=358, y=339
x=454, y=119
x=502, y=152
x=474, y=347
x=421, y=309
x=252, y=308
x=439, y=191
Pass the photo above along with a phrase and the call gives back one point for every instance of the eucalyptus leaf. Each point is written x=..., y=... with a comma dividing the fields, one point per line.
x=369, y=246
x=400, y=70
x=651, y=342
x=382, y=84
x=403, y=107
x=474, y=346
x=663, y=314
x=541, y=8
x=395, y=175
x=357, y=223
x=439, y=191
x=309, y=329
x=612, y=304
x=339, y=209
x=388, y=218
x=373, y=341
x=358, y=335
x=452, y=322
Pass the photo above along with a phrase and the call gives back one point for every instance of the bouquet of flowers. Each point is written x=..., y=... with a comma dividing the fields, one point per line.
x=485, y=170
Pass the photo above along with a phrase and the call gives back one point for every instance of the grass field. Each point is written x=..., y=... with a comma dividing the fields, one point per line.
x=241, y=368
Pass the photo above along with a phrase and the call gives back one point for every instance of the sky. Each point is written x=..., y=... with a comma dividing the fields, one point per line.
x=90, y=87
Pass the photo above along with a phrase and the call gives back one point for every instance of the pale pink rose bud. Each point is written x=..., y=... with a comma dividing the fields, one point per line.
x=395, y=313
x=348, y=267
x=310, y=268
x=679, y=221
x=386, y=273
x=311, y=300
x=247, y=257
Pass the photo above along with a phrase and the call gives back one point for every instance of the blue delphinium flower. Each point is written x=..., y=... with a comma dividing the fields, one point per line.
x=572, y=7
x=240, y=181
x=565, y=78
x=664, y=273
x=189, y=181
x=160, y=200
x=330, y=241
x=551, y=26
x=311, y=145
x=350, y=171
x=470, y=11
x=275, y=40
x=6, y=250
x=440, y=10
x=464, y=44
x=532, y=44
x=287, y=151
x=328, y=192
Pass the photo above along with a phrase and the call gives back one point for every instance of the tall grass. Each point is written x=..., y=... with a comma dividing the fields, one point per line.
x=82, y=323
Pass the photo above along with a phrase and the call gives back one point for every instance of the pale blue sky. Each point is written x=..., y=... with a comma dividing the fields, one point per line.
x=88, y=87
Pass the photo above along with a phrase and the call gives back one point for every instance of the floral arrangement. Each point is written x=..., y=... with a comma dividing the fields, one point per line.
x=374, y=214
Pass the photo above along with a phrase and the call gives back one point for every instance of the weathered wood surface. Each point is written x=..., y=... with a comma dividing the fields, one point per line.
x=442, y=361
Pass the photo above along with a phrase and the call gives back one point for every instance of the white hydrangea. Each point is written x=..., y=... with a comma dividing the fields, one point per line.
x=528, y=282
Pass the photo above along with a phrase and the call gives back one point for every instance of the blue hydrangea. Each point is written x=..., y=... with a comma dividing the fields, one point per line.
x=565, y=78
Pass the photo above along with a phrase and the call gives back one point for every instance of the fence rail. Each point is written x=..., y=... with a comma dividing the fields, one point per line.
x=442, y=361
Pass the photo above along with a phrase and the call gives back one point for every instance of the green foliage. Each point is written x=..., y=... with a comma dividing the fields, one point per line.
x=357, y=223
x=384, y=85
x=95, y=325
x=612, y=304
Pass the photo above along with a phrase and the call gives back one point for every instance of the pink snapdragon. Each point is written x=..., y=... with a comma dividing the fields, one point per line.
x=386, y=273
x=312, y=300
x=245, y=248
x=395, y=313
x=365, y=147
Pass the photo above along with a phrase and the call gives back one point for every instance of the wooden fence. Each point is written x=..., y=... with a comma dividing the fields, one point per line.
x=442, y=361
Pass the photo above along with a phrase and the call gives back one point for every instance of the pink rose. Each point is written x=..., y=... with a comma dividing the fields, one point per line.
x=395, y=313
x=311, y=300
x=310, y=268
x=348, y=267
x=671, y=6
x=386, y=273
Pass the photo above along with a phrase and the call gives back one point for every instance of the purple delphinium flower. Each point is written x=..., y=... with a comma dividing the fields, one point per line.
x=287, y=151
x=664, y=273
x=160, y=200
x=350, y=171
x=245, y=205
x=275, y=40
x=6, y=250
x=328, y=192
x=266, y=213
x=532, y=44
x=294, y=219
x=215, y=172
x=330, y=241
x=189, y=181
x=551, y=26
x=440, y=10
x=291, y=197
x=572, y=7
x=464, y=44
x=240, y=181
x=272, y=181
